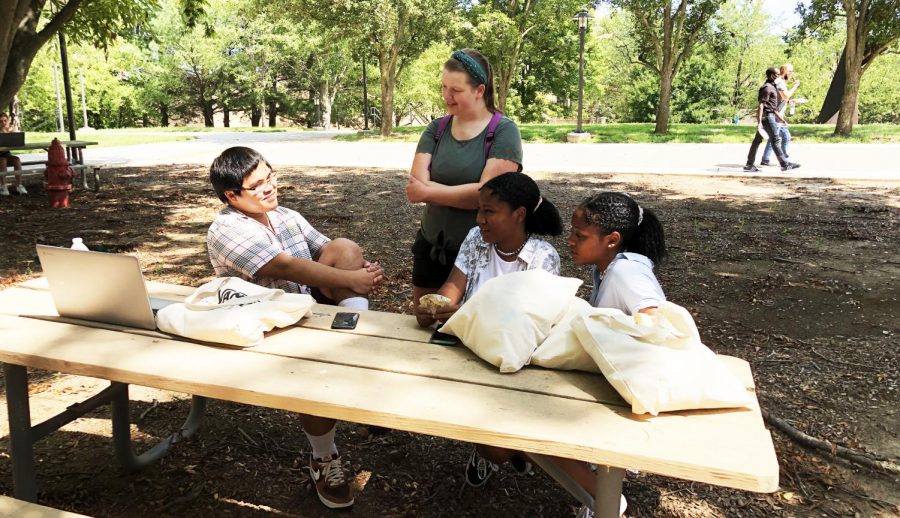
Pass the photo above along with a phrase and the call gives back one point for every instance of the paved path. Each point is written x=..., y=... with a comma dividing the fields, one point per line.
x=848, y=161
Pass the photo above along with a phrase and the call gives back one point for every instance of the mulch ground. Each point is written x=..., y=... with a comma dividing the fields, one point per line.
x=798, y=277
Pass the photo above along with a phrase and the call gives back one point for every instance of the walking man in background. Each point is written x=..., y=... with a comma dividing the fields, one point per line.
x=768, y=117
x=785, y=97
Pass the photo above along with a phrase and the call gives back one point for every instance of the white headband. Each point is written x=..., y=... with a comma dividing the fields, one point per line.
x=640, y=215
x=540, y=200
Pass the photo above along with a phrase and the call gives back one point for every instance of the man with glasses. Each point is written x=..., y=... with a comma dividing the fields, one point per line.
x=255, y=239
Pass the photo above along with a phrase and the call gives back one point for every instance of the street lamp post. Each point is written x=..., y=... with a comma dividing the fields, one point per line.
x=579, y=135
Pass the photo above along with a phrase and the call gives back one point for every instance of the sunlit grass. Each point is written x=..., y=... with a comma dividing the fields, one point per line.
x=678, y=133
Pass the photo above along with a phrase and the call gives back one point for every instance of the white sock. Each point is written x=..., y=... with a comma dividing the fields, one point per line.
x=323, y=445
x=355, y=303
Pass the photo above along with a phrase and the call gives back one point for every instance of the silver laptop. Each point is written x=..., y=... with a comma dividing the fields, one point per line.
x=98, y=286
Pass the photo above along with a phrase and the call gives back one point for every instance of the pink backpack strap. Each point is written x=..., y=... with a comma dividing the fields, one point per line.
x=442, y=126
x=491, y=129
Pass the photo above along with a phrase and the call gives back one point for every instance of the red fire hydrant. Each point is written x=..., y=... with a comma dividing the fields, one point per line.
x=58, y=176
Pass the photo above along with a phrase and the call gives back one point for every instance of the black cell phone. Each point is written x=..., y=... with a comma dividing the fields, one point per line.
x=440, y=338
x=345, y=321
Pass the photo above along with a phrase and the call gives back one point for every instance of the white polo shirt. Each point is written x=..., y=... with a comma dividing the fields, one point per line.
x=628, y=284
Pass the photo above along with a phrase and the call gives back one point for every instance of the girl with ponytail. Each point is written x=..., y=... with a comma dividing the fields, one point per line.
x=623, y=241
x=511, y=214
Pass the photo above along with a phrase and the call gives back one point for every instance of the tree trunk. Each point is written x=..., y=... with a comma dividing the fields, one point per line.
x=325, y=103
x=15, y=113
x=226, y=117
x=273, y=104
x=854, y=54
x=164, y=115
x=388, y=68
x=23, y=34
x=665, y=98
x=208, y=115
x=255, y=116
x=273, y=112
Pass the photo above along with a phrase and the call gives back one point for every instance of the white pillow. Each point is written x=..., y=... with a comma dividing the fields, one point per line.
x=561, y=349
x=657, y=362
x=508, y=317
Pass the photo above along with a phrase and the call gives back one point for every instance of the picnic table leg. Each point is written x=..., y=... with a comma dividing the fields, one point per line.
x=609, y=491
x=121, y=422
x=563, y=478
x=21, y=441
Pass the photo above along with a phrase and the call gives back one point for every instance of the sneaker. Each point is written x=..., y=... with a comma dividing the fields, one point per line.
x=21, y=189
x=764, y=162
x=790, y=165
x=587, y=512
x=750, y=168
x=479, y=470
x=331, y=484
x=4, y=191
x=521, y=464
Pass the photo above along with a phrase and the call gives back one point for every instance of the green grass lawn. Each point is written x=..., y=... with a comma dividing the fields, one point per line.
x=680, y=133
x=133, y=136
x=108, y=138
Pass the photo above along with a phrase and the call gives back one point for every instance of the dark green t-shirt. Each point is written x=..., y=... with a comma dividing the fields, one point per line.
x=458, y=162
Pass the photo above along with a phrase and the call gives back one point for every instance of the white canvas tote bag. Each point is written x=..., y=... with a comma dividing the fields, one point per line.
x=232, y=311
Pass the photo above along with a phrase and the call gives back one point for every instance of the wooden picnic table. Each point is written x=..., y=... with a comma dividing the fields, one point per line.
x=74, y=149
x=384, y=373
x=74, y=154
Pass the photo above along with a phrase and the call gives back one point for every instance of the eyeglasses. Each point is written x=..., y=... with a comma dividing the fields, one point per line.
x=259, y=188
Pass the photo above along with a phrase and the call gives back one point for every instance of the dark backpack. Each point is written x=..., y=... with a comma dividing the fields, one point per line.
x=488, y=141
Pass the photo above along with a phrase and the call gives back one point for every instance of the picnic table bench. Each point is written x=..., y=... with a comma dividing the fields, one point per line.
x=383, y=373
x=74, y=153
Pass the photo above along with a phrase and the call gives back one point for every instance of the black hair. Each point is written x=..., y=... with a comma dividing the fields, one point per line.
x=453, y=65
x=640, y=229
x=519, y=190
x=772, y=73
x=229, y=169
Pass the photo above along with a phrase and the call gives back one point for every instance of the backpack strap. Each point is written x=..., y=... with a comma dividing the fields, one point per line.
x=491, y=129
x=442, y=126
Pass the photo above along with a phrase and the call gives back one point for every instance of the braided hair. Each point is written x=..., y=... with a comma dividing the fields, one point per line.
x=640, y=229
x=454, y=65
x=519, y=190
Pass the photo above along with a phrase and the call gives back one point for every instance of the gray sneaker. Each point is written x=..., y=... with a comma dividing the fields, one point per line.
x=479, y=470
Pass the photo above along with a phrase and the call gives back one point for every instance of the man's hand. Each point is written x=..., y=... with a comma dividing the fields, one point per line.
x=365, y=279
x=416, y=190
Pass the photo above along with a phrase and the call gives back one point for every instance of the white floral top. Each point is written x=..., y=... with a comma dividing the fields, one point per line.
x=475, y=257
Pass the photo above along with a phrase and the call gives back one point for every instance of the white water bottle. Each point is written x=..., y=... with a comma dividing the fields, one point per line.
x=78, y=244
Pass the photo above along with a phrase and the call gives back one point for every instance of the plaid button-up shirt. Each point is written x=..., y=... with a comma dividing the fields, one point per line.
x=239, y=245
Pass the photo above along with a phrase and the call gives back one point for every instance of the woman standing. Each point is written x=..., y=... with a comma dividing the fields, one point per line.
x=456, y=155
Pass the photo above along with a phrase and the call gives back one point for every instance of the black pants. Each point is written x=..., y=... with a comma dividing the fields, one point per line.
x=771, y=127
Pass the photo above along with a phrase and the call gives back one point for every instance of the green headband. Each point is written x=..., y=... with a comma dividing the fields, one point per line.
x=472, y=66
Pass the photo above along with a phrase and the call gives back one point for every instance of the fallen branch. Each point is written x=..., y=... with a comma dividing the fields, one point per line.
x=850, y=454
x=832, y=360
x=811, y=265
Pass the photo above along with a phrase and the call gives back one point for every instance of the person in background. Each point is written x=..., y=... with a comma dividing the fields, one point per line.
x=768, y=117
x=785, y=97
x=8, y=159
